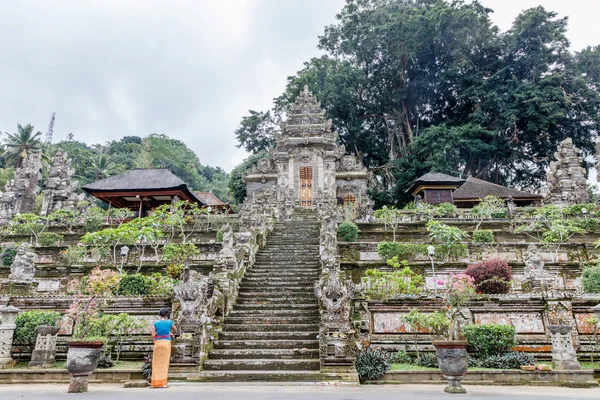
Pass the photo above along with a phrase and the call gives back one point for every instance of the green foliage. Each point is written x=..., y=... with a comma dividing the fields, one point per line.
x=490, y=207
x=134, y=285
x=8, y=255
x=580, y=210
x=483, y=236
x=162, y=285
x=119, y=326
x=446, y=210
x=406, y=251
x=147, y=368
x=391, y=217
x=509, y=360
x=401, y=357
x=93, y=219
x=561, y=231
x=372, y=363
x=384, y=285
x=256, y=132
x=489, y=339
x=73, y=255
x=49, y=239
x=20, y=145
x=348, y=231
x=435, y=323
x=29, y=224
x=428, y=360
x=236, y=185
x=180, y=253
x=219, y=238
x=448, y=237
x=175, y=270
x=27, y=323
x=590, y=279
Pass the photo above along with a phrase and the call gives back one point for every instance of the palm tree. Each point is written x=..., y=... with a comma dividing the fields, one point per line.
x=18, y=146
x=101, y=167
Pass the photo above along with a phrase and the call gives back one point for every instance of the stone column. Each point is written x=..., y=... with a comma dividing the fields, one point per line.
x=7, y=330
x=44, y=354
x=563, y=352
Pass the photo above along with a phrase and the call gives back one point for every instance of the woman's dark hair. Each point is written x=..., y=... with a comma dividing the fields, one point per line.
x=164, y=312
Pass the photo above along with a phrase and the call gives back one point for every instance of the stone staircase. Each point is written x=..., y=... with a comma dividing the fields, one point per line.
x=271, y=333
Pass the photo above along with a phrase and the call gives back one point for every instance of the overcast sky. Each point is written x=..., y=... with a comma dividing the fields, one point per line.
x=188, y=69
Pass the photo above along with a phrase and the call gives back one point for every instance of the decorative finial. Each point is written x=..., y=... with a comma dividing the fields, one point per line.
x=305, y=91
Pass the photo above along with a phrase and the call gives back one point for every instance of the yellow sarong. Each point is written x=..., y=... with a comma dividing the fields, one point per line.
x=160, y=363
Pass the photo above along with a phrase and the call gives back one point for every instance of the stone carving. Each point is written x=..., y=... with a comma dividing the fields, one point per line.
x=536, y=277
x=60, y=188
x=563, y=352
x=335, y=297
x=226, y=256
x=198, y=298
x=7, y=330
x=44, y=354
x=307, y=141
x=20, y=193
x=22, y=268
x=566, y=182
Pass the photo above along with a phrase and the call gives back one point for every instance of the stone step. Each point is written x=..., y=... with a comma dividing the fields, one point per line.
x=257, y=273
x=271, y=290
x=275, y=301
x=265, y=312
x=277, y=306
x=260, y=296
x=278, y=285
x=262, y=364
x=282, y=354
x=268, y=335
x=271, y=327
x=271, y=376
x=272, y=320
x=277, y=279
x=265, y=344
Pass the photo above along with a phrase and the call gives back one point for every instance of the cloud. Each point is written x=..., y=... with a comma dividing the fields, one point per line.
x=188, y=69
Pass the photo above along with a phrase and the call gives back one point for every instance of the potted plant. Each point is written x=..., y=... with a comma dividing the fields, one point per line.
x=452, y=352
x=84, y=348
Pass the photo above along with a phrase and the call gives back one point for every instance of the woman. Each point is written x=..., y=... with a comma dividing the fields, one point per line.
x=161, y=336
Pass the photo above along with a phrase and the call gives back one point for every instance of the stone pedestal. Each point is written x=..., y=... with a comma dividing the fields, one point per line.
x=44, y=354
x=563, y=352
x=82, y=360
x=7, y=330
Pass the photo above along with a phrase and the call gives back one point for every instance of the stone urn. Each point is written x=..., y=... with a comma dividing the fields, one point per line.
x=564, y=356
x=44, y=354
x=453, y=362
x=82, y=360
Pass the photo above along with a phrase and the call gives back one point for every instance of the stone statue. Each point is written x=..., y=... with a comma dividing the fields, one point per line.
x=566, y=182
x=536, y=277
x=60, y=189
x=20, y=193
x=335, y=297
x=511, y=206
x=198, y=298
x=22, y=268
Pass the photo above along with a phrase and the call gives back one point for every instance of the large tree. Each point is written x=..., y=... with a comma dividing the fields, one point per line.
x=429, y=85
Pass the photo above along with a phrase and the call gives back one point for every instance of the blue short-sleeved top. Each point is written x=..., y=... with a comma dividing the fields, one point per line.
x=163, y=329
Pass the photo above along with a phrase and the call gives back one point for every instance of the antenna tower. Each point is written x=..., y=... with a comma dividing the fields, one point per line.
x=50, y=129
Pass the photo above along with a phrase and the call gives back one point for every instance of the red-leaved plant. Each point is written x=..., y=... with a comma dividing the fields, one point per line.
x=491, y=276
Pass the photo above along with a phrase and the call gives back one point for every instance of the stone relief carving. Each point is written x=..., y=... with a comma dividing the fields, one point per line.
x=198, y=299
x=566, y=182
x=60, y=189
x=20, y=193
x=22, y=268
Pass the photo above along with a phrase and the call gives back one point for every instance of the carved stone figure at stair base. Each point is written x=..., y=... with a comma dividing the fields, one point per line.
x=22, y=268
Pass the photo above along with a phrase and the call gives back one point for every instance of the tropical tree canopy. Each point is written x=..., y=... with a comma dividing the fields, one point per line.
x=414, y=86
x=19, y=145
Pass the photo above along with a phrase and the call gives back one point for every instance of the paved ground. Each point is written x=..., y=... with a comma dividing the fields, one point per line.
x=294, y=392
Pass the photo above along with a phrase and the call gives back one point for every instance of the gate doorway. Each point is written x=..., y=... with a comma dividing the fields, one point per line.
x=306, y=178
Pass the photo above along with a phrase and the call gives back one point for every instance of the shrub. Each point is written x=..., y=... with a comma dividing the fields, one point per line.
x=147, y=368
x=491, y=276
x=175, y=270
x=446, y=210
x=73, y=255
x=588, y=224
x=372, y=363
x=590, y=279
x=219, y=237
x=134, y=285
x=49, y=239
x=401, y=357
x=510, y=360
x=181, y=253
x=162, y=285
x=489, y=339
x=8, y=255
x=490, y=207
x=383, y=285
x=27, y=323
x=405, y=251
x=348, y=231
x=428, y=360
x=483, y=236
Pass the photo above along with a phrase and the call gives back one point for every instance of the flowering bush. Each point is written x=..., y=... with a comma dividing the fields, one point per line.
x=88, y=304
x=491, y=276
x=460, y=289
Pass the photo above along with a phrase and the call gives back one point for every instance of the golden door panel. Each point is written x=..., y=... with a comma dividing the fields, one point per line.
x=306, y=186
